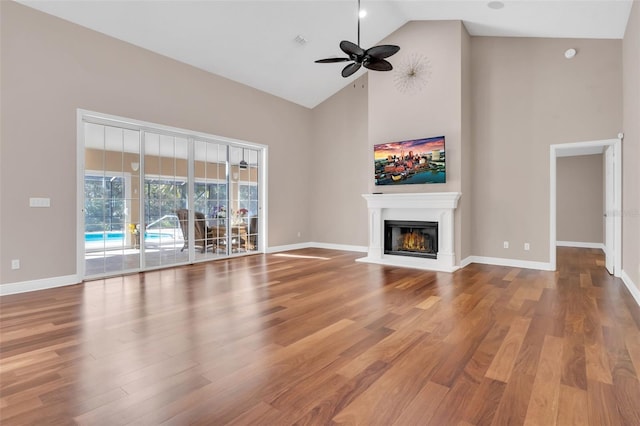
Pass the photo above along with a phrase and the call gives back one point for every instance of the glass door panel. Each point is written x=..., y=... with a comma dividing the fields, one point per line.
x=210, y=199
x=109, y=243
x=165, y=196
x=243, y=199
x=249, y=197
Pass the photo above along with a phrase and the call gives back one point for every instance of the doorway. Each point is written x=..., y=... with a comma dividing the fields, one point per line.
x=611, y=149
x=151, y=196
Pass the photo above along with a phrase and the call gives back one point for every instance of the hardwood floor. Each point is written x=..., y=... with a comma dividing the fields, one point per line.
x=311, y=337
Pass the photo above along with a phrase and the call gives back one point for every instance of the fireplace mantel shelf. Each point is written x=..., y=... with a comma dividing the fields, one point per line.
x=433, y=206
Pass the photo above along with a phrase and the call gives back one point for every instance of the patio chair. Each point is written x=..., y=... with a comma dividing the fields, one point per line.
x=252, y=232
x=200, y=229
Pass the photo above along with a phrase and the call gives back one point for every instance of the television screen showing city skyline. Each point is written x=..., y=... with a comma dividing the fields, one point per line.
x=413, y=161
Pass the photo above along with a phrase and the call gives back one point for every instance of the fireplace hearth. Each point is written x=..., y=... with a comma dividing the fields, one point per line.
x=411, y=238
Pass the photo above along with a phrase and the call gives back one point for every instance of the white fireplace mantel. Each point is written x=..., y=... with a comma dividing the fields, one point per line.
x=433, y=207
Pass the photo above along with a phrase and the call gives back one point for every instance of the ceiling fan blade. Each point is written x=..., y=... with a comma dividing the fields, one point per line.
x=350, y=69
x=377, y=64
x=383, y=51
x=331, y=60
x=351, y=49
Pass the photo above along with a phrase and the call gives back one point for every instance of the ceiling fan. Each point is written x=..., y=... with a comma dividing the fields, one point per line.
x=373, y=58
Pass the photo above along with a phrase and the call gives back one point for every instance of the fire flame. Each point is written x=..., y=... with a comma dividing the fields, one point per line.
x=412, y=241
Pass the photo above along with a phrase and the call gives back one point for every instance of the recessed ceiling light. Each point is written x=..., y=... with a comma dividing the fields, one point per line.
x=362, y=13
x=570, y=53
x=495, y=5
x=300, y=39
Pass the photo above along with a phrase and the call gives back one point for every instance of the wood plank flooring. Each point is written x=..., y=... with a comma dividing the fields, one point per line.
x=311, y=337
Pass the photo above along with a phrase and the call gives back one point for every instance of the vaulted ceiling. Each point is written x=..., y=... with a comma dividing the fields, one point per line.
x=254, y=42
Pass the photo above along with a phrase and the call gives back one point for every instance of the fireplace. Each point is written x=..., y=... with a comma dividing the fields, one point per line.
x=411, y=238
x=434, y=207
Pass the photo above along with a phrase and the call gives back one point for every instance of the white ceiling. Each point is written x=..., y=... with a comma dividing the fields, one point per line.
x=252, y=42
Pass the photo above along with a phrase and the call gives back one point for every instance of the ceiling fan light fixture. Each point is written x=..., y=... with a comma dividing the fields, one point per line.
x=243, y=164
x=362, y=13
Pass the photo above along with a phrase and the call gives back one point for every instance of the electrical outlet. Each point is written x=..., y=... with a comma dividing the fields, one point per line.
x=505, y=244
x=15, y=264
x=299, y=234
x=527, y=246
x=39, y=202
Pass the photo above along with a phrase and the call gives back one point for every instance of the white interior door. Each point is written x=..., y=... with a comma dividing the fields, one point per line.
x=609, y=208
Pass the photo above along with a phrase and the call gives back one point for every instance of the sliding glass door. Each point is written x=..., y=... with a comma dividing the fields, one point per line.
x=156, y=198
x=110, y=199
x=211, y=197
x=244, y=198
x=165, y=194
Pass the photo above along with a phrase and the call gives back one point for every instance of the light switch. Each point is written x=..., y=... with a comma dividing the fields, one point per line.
x=39, y=202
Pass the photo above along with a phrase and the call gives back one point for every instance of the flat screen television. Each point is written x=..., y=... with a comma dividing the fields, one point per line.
x=410, y=162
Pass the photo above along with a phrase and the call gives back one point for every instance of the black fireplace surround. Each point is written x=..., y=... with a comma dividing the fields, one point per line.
x=411, y=238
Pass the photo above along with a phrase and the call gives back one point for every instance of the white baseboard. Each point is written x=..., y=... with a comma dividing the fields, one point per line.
x=580, y=244
x=633, y=289
x=515, y=263
x=25, y=286
x=466, y=261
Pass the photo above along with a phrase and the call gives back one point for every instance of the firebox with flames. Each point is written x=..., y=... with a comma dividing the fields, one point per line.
x=414, y=241
x=411, y=238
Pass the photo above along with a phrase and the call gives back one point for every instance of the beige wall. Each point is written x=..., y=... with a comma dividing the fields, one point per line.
x=631, y=148
x=435, y=110
x=466, y=138
x=499, y=101
x=527, y=96
x=51, y=67
x=342, y=161
x=580, y=199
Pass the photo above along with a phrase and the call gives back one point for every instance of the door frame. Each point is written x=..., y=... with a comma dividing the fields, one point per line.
x=587, y=148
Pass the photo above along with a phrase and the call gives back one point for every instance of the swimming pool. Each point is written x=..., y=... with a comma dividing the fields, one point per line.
x=90, y=237
x=118, y=236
